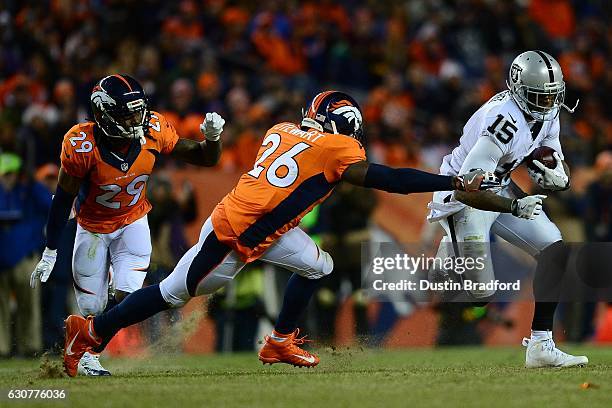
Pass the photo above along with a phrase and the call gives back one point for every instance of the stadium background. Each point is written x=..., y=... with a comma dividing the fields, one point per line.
x=418, y=68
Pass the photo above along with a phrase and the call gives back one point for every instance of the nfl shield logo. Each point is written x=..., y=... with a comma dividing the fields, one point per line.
x=124, y=167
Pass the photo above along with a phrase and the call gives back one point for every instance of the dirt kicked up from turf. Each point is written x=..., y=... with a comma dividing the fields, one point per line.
x=51, y=367
x=464, y=377
x=173, y=337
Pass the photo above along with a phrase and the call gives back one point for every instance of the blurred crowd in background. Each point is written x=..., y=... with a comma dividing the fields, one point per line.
x=419, y=69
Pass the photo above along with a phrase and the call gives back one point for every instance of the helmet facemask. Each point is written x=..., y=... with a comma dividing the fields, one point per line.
x=540, y=104
x=126, y=123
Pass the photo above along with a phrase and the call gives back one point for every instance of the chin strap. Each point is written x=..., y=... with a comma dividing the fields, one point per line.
x=572, y=109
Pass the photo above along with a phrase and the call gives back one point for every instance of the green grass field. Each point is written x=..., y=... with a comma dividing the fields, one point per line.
x=350, y=377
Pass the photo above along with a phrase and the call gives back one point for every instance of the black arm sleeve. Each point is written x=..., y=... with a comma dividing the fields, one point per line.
x=58, y=215
x=405, y=181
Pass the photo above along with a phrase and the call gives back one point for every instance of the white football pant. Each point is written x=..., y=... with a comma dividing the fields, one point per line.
x=127, y=251
x=209, y=265
x=470, y=229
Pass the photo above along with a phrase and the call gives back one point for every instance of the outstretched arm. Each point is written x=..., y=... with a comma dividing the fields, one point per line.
x=527, y=207
x=406, y=180
x=485, y=200
x=207, y=152
x=486, y=155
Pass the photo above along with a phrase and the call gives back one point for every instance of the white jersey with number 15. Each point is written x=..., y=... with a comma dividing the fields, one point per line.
x=511, y=138
x=501, y=120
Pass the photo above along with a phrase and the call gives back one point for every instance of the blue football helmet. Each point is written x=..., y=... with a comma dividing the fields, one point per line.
x=335, y=112
x=120, y=107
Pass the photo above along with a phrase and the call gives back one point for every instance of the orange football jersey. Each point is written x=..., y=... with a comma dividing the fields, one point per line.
x=113, y=192
x=294, y=171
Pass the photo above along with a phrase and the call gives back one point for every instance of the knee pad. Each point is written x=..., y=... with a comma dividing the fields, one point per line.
x=90, y=304
x=128, y=280
x=478, y=249
x=173, y=300
x=327, y=264
x=323, y=266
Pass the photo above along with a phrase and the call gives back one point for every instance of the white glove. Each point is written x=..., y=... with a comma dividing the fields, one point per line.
x=212, y=126
x=477, y=180
x=528, y=207
x=44, y=267
x=536, y=176
x=552, y=179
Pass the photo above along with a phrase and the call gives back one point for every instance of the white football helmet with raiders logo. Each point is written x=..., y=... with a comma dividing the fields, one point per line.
x=536, y=83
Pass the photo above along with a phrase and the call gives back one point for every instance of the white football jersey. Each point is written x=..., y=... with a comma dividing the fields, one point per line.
x=502, y=121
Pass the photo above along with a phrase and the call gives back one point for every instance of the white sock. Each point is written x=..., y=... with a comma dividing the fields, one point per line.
x=541, y=334
x=278, y=338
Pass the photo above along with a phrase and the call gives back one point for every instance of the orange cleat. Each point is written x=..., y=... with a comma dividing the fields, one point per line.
x=80, y=338
x=287, y=351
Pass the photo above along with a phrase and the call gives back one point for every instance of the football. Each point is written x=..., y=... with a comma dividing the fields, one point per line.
x=544, y=155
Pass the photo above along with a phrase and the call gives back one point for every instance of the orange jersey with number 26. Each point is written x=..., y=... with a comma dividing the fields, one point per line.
x=294, y=171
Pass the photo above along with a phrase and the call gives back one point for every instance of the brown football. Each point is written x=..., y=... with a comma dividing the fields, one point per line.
x=544, y=155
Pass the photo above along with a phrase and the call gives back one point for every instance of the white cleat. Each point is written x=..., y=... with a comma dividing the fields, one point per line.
x=90, y=365
x=543, y=353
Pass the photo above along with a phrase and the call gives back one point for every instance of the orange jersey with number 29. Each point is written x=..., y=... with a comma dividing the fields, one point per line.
x=113, y=189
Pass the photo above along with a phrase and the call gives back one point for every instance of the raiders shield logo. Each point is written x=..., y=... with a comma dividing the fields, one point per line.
x=124, y=167
x=515, y=73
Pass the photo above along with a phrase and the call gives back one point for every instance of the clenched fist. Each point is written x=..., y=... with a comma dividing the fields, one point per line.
x=212, y=126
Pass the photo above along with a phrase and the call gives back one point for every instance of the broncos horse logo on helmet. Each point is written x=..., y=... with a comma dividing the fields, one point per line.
x=335, y=112
x=120, y=107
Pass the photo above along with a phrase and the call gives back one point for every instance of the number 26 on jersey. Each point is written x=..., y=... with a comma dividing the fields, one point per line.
x=286, y=160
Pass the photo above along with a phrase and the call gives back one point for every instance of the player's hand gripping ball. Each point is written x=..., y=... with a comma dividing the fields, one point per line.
x=545, y=168
x=544, y=155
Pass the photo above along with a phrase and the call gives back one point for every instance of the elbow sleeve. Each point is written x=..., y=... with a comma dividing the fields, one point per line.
x=58, y=216
x=405, y=181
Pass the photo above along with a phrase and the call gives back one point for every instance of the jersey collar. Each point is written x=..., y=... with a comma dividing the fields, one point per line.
x=114, y=159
